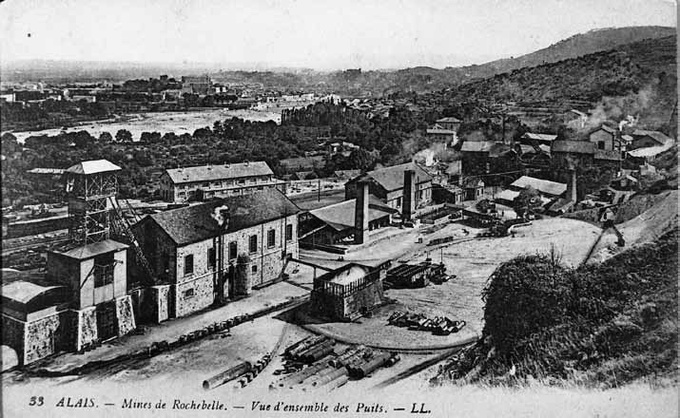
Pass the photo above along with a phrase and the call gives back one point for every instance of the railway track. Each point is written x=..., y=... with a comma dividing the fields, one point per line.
x=13, y=247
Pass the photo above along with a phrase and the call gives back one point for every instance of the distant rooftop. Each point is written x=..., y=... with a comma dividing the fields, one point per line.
x=92, y=167
x=219, y=172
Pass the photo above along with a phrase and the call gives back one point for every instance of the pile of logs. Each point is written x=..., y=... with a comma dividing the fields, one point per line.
x=331, y=370
x=439, y=325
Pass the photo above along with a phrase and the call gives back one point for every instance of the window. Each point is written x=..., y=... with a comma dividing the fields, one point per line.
x=253, y=269
x=211, y=257
x=289, y=232
x=188, y=264
x=600, y=145
x=399, y=202
x=103, y=269
x=253, y=243
x=189, y=293
x=233, y=250
x=271, y=238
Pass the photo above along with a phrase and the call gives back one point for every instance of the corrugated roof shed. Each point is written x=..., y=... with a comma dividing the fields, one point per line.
x=544, y=186
x=340, y=216
x=219, y=172
x=392, y=178
x=92, y=167
x=196, y=223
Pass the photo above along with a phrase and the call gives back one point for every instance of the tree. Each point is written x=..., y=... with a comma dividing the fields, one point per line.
x=361, y=159
x=105, y=137
x=123, y=135
x=526, y=202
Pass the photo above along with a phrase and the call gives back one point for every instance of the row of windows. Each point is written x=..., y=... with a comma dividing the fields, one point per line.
x=224, y=183
x=233, y=249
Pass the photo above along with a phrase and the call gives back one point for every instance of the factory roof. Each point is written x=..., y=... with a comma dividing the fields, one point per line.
x=92, y=167
x=219, y=172
x=199, y=222
x=340, y=216
x=392, y=178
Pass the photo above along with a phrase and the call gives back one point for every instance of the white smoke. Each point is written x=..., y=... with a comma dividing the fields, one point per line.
x=219, y=215
x=629, y=121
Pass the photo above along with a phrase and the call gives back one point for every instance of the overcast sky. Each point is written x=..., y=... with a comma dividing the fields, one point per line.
x=320, y=34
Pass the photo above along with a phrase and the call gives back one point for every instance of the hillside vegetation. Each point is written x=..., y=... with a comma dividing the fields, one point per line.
x=598, y=325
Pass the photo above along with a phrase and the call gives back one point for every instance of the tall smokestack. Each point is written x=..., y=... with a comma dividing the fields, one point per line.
x=409, y=195
x=361, y=214
x=572, y=186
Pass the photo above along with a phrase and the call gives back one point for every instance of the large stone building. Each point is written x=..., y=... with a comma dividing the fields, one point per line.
x=388, y=185
x=211, y=181
x=218, y=250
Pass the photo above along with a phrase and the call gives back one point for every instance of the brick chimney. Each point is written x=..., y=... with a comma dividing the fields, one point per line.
x=409, y=199
x=361, y=214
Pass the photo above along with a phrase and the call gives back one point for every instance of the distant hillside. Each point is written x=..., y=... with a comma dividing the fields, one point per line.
x=642, y=76
x=349, y=83
x=575, y=46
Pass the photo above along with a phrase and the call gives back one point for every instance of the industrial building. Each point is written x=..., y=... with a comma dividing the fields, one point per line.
x=389, y=185
x=83, y=298
x=335, y=224
x=348, y=292
x=214, y=181
x=217, y=251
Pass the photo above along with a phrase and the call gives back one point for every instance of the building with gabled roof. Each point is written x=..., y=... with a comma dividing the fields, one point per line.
x=333, y=224
x=388, y=185
x=219, y=250
x=219, y=180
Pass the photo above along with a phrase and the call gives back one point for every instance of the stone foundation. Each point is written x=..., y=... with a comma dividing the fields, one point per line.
x=86, y=327
x=125, y=314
